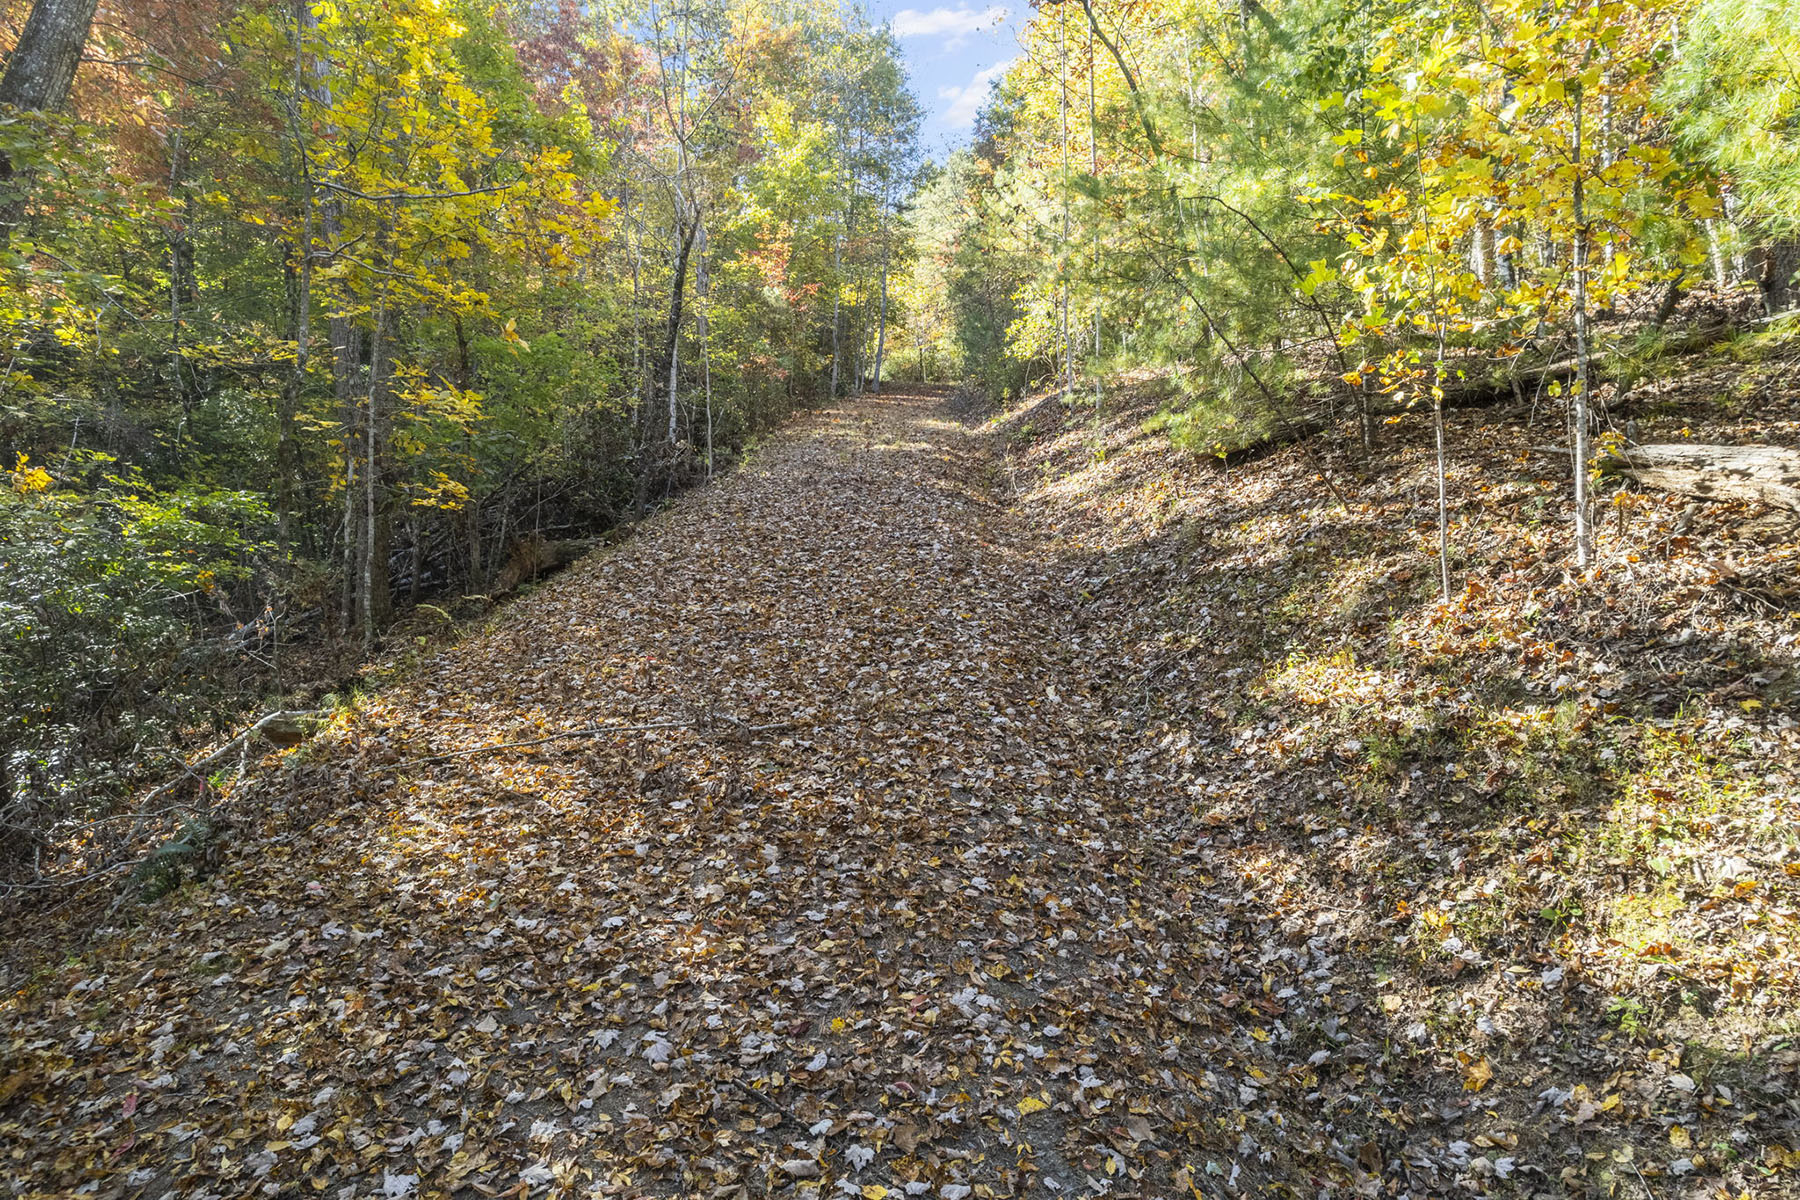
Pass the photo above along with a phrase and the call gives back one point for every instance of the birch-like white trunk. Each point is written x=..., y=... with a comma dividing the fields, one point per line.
x=881, y=326
x=1583, y=377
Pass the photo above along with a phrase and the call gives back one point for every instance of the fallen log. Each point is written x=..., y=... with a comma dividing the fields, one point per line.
x=1484, y=385
x=1763, y=474
x=533, y=556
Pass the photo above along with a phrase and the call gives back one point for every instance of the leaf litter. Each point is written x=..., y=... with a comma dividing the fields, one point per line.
x=887, y=893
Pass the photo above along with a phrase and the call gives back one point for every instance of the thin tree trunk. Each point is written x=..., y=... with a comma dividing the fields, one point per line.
x=346, y=360
x=1437, y=394
x=637, y=315
x=674, y=386
x=416, y=527
x=1094, y=173
x=1137, y=100
x=1583, y=376
x=837, y=323
x=287, y=450
x=1716, y=247
x=1443, y=488
x=180, y=275
x=837, y=267
x=299, y=278
x=345, y=338
x=376, y=600
x=1062, y=35
x=677, y=298
x=881, y=327
x=703, y=285
x=463, y=376
x=1741, y=246
x=346, y=350
x=1365, y=409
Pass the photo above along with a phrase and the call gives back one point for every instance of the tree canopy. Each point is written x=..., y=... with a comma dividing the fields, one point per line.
x=317, y=310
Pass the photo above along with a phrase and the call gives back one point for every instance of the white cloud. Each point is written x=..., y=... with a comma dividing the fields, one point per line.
x=966, y=101
x=957, y=22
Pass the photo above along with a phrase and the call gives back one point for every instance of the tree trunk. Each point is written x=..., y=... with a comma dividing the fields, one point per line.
x=1442, y=465
x=837, y=285
x=1365, y=412
x=703, y=289
x=416, y=529
x=37, y=79
x=1780, y=263
x=345, y=338
x=287, y=451
x=1740, y=241
x=463, y=378
x=299, y=279
x=1716, y=256
x=638, y=390
x=42, y=66
x=1062, y=41
x=677, y=297
x=881, y=326
x=837, y=324
x=346, y=364
x=1094, y=175
x=183, y=288
x=376, y=597
x=1583, y=376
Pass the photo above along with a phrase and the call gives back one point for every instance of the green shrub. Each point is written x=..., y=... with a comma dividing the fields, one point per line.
x=113, y=607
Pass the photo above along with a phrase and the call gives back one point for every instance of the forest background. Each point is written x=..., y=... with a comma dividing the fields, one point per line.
x=314, y=313
x=320, y=314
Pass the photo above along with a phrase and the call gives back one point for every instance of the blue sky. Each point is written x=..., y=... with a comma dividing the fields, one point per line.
x=954, y=52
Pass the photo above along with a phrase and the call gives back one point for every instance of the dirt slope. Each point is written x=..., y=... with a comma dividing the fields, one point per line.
x=900, y=893
x=1559, y=816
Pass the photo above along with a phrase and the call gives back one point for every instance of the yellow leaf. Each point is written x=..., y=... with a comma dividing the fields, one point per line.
x=1031, y=1104
x=1780, y=1158
x=1477, y=1074
x=874, y=1191
x=27, y=478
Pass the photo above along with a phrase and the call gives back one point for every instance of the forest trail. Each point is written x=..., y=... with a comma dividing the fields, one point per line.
x=951, y=928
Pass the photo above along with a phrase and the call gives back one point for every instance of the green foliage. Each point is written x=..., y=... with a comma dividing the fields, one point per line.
x=974, y=274
x=1735, y=93
x=183, y=858
x=99, y=595
x=388, y=294
x=1364, y=188
x=1219, y=412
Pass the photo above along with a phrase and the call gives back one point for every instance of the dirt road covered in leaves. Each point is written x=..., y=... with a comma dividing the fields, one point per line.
x=888, y=902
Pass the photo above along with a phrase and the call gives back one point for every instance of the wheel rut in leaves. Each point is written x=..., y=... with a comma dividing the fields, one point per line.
x=952, y=928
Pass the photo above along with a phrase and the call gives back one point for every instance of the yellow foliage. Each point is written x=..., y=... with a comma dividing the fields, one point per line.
x=27, y=478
